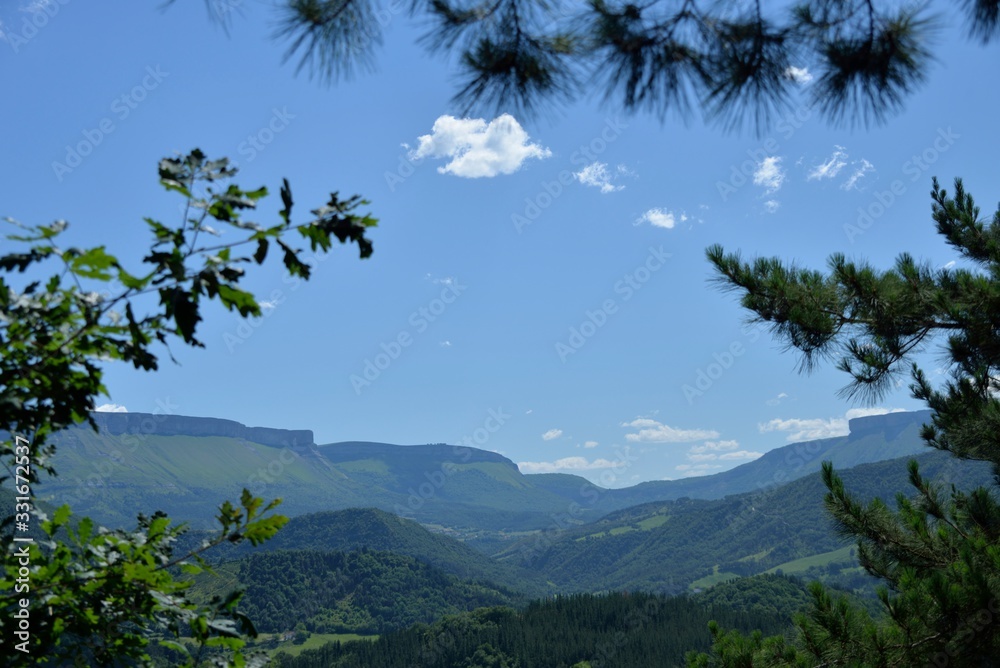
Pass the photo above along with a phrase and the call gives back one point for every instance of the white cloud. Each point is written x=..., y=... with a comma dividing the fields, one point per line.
x=772, y=205
x=948, y=265
x=660, y=218
x=776, y=400
x=815, y=428
x=477, y=148
x=715, y=446
x=591, y=444
x=709, y=451
x=831, y=167
x=445, y=344
x=742, y=454
x=800, y=75
x=565, y=464
x=769, y=174
x=859, y=173
x=551, y=434
x=598, y=175
x=111, y=408
x=651, y=431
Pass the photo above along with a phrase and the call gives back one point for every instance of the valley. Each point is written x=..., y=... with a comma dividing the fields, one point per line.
x=385, y=537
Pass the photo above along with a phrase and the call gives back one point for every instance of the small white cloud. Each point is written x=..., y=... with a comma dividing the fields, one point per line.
x=597, y=175
x=714, y=446
x=476, y=148
x=799, y=75
x=860, y=172
x=772, y=205
x=551, y=434
x=776, y=400
x=591, y=444
x=948, y=265
x=830, y=168
x=769, y=174
x=565, y=464
x=445, y=344
x=706, y=457
x=742, y=454
x=111, y=408
x=660, y=218
x=529, y=411
x=651, y=431
x=268, y=305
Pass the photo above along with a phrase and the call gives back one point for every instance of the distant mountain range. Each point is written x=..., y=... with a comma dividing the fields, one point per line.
x=185, y=466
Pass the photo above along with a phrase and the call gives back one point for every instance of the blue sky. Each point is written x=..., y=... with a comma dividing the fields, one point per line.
x=539, y=285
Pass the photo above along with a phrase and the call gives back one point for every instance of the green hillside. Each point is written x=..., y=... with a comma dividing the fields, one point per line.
x=187, y=466
x=667, y=546
x=372, y=529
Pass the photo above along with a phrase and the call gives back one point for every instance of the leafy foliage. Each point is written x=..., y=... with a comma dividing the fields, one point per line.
x=937, y=553
x=92, y=595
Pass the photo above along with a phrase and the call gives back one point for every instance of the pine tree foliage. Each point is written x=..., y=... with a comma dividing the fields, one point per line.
x=737, y=62
x=938, y=552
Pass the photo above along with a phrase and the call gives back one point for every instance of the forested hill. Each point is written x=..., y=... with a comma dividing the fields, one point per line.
x=372, y=529
x=615, y=631
x=365, y=592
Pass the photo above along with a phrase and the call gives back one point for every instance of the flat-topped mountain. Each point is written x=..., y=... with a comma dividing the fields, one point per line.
x=186, y=466
x=147, y=424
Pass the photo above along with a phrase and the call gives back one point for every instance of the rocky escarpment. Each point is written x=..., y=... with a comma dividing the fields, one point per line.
x=117, y=424
x=889, y=424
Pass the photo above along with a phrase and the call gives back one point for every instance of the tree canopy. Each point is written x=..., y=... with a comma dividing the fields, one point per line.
x=737, y=62
x=936, y=553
